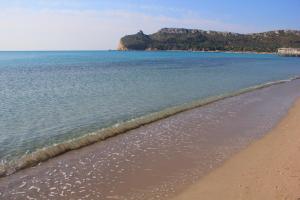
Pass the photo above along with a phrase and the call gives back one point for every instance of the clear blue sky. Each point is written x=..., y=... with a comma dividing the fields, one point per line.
x=79, y=24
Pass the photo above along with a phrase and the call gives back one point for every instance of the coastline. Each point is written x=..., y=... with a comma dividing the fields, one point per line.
x=160, y=159
x=46, y=153
x=219, y=51
x=267, y=169
x=216, y=51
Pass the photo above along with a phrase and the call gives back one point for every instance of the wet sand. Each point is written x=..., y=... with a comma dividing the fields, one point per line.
x=158, y=160
x=267, y=169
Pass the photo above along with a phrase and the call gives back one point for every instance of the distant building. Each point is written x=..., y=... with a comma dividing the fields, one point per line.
x=289, y=51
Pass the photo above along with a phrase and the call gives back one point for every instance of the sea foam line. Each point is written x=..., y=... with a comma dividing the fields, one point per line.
x=46, y=153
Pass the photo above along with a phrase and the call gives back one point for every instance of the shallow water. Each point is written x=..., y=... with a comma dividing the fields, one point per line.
x=49, y=97
x=160, y=159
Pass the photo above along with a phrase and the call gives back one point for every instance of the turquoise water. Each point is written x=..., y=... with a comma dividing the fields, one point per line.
x=50, y=97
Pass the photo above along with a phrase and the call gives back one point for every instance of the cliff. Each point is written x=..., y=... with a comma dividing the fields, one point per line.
x=199, y=40
x=139, y=41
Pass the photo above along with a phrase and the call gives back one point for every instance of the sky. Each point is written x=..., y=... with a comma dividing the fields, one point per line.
x=99, y=24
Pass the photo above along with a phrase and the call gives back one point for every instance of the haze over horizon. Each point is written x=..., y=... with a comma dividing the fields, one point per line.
x=94, y=25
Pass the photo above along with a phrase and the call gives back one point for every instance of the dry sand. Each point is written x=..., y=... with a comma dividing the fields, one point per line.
x=267, y=169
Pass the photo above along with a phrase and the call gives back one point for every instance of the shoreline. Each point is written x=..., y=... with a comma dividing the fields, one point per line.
x=157, y=160
x=266, y=169
x=216, y=51
x=46, y=153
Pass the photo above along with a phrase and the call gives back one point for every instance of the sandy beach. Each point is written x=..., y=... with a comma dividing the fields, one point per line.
x=147, y=100
x=163, y=159
x=267, y=169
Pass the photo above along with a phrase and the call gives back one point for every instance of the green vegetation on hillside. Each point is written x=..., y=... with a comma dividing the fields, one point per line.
x=198, y=40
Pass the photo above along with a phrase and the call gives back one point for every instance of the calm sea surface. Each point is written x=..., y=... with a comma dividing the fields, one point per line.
x=50, y=97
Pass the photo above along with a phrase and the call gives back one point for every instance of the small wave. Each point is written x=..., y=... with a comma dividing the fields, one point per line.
x=46, y=153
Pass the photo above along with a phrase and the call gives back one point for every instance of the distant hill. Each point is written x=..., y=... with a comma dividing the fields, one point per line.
x=199, y=40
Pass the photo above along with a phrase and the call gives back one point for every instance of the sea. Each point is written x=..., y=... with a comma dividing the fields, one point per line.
x=52, y=97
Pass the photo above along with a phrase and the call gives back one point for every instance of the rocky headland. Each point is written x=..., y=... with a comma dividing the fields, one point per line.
x=200, y=40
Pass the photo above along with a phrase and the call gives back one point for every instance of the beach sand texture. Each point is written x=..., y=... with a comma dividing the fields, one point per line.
x=267, y=169
x=158, y=160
